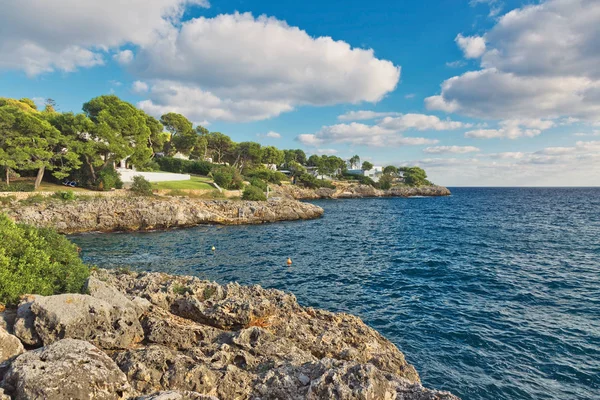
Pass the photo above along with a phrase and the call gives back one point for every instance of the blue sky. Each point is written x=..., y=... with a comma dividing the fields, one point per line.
x=519, y=105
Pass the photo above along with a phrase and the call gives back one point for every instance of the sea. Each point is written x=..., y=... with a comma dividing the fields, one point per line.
x=491, y=293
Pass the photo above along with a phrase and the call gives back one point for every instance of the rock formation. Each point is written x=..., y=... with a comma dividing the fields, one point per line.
x=345, y=190
x=155, y=336
x=147, y=213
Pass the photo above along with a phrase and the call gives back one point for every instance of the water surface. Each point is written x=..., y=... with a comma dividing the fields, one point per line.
x=490, y=293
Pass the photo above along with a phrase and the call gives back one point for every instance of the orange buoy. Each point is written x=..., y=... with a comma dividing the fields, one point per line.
x=289, y=261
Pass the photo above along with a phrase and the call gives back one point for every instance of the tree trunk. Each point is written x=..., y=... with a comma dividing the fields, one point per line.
x=7, y=176
x=40, y=175
x=92, y=170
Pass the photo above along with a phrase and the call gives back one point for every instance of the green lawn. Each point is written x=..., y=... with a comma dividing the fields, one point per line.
x=195, y=183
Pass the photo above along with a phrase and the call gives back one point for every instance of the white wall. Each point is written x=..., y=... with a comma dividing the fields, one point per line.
x=128, y=174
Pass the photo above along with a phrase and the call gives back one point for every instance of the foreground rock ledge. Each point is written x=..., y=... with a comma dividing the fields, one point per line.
x=147, y=213
x=346, y=190
x=155, y=336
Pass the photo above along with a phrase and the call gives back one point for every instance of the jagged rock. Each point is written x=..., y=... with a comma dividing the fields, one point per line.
x=7, y=319
x=10, y=346
x=2, y=395
x=24, y=327
x=67, y=369
x=176, y=395
x=84, y=317
x=145, y=213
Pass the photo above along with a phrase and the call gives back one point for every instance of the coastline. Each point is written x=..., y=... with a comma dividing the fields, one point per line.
x=139, y=213
x=154, y=334
x=344, y=190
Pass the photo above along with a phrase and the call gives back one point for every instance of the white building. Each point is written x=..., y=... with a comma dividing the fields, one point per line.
x=374, y=173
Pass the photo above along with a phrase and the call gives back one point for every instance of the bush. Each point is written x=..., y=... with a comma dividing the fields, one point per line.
x=108, y=179
x=149, y=166
x=259, y=183
x=266, y=175
x=253, y=193
x=364, y=180
x=179, y=166
x=385, y=182
x=141, y=186
x=67, y=195
x=6, y=200
x=31, y=200
x=311, y=182
x=17, y=187
x=228, y=178
x=37, y=261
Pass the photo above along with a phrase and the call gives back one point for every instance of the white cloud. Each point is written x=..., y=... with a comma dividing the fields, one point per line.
x=326, y=151
x=451, y=150
x=409, y=96
x=471, y=46
x=420, y=122
x=68, y=34
x=495, y=6
x=581, y=134
x=541, y=61
x=456, y=64
x=198, y=105
x=512, y=129
x=124, y=57
x=364, y=115
x=139, y=87
x=270, y=135
x=568, y=166
x=240, y=58
x=360, y=134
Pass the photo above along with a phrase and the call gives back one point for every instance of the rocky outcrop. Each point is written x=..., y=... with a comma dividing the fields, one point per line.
x=200, y=340
x=67, y=369
x=345, y=190
x=147, y=213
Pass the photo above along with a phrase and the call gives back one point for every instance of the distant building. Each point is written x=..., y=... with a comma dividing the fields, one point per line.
x=374, y=173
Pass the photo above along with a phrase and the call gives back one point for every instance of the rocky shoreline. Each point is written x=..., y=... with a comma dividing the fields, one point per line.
x=138, y=213
x=344, y=190
x=156, y=336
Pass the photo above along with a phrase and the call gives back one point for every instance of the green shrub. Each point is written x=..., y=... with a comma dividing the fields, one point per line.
x=35, y=199
x=266, y=175
x=67, y=195
x=385, y=182
x=227, y=178
x=108, y=179
x=150, y=166
x=6, y=200
x=180, y=166
x=309, y=181
x=365, y=180
x=17, y=187
x=253, y=193
x=37, y=261
x=141, y=186
x=259, y=183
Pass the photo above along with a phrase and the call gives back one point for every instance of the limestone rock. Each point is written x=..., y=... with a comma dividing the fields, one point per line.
x=67, y=369
x=10, y=346
x=3, y=396
x=7, y=319
x=145, y=213
x=24, y=327
x=176, y=395
x=84, y=317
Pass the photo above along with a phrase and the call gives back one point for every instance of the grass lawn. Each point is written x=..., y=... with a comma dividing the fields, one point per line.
x=195, y=183
x=52, y=187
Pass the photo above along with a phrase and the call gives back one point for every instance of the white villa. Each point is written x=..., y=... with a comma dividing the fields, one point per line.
x=374, y=173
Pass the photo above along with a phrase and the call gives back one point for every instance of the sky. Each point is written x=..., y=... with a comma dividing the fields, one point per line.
x=476, y=92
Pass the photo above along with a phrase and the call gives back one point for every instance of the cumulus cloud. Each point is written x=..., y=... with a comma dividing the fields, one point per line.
x=239, y=59
x=364, y=115
x=540, y=61
x=139, y=87
x=512, y=129
x=270, y=135
x=471, y=46
x=68, y=34
x=420, y=122
x=451, y=150
x=576, y=165
x=361, y=134
x=124, y=57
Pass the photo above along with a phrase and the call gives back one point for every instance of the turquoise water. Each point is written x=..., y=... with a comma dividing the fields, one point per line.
x=490, y=293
